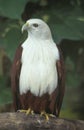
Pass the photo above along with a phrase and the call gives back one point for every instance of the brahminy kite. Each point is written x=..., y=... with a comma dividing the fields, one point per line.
x=37, y=77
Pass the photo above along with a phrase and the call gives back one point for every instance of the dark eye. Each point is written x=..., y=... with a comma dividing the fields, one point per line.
x=35, y=25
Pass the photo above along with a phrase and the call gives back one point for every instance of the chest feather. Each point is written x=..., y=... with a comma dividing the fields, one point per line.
x=38, y=71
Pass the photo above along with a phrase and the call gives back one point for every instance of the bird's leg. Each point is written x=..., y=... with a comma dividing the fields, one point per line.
x=29, y=111
x=46, y=115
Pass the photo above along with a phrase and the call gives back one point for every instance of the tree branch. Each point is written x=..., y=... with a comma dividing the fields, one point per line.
x=21, y=121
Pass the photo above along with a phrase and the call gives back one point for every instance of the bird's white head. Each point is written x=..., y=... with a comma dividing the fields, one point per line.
x=37, y=28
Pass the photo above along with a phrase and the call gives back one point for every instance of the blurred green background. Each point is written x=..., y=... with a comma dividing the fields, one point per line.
x=66, y=20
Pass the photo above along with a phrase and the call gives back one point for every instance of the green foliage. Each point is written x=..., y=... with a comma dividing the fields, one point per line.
x=5, y=92
x=67, y=113
x=71, y=73
x=65, y=23
x=11, y=36
x=12, y=8
x=10, y=43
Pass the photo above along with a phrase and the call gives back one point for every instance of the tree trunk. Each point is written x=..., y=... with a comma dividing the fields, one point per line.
x=21, y=121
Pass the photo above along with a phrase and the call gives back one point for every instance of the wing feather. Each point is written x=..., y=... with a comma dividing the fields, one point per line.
x=61, y=82
x=15, y=72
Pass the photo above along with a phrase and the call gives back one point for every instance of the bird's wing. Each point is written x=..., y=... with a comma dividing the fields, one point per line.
x=15, y=72
x=61, y=83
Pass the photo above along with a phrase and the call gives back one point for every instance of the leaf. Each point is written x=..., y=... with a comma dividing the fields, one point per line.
x=65, y=22
x=12, y=40
x=5, y=92
x=5, y=96
x=12, y=8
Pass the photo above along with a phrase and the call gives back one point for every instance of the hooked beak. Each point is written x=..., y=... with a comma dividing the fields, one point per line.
x=25, y=27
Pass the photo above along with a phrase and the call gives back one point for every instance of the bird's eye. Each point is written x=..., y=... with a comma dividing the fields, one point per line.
x=35, y=25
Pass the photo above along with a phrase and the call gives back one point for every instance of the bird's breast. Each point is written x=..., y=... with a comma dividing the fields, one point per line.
x=38, y=72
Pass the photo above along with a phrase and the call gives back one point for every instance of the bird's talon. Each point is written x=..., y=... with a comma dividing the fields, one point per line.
x=51, y=115
x=29, y=111
x=32, y=112
x=43, y=113
x=46, y=115
x=24, y=111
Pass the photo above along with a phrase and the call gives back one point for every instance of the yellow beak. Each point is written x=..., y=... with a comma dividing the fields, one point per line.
x=25, y=27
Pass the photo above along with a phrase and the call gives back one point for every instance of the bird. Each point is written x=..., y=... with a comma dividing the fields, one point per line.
x=38, y=72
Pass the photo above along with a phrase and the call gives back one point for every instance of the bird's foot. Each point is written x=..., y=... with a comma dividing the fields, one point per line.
x=46, y=115
x=28, y=112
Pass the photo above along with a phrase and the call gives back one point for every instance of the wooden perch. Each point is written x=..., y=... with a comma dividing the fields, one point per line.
x=21, y=121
